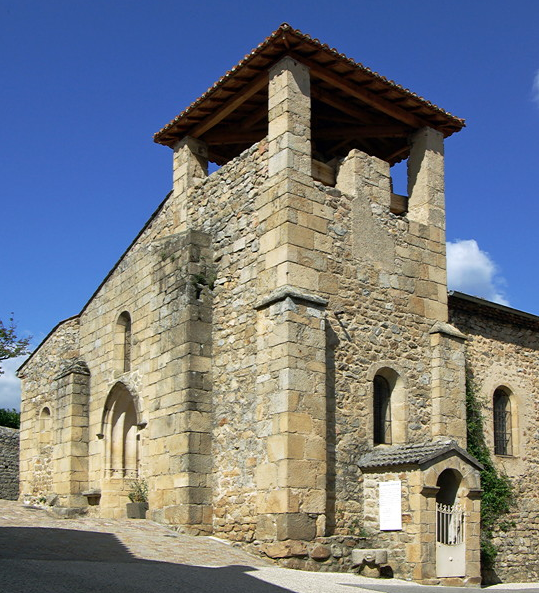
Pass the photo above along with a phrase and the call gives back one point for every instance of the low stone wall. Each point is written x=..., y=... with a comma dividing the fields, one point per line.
x=338, y=553
x=9, y=463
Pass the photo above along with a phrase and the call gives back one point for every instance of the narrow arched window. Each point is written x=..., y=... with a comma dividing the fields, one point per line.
x=45, y=426
x=501, y=404
x=123, y=342
x=382, y=410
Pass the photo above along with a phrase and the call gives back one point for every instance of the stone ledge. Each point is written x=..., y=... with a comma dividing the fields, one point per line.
x=280, y=294
x=449, y=330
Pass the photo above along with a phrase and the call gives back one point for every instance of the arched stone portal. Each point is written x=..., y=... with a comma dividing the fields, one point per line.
x=121, y=451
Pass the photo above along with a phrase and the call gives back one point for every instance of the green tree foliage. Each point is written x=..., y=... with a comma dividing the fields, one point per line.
x=497, y=489
x=10, y=345
x=10, y=418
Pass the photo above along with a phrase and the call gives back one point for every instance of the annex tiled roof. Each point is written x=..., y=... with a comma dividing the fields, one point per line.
x=465, y=303
x=414, y=454
x=334, y=78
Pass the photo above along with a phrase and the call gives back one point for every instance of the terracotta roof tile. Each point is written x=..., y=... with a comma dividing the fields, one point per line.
x=414, y=454
x=421, y=106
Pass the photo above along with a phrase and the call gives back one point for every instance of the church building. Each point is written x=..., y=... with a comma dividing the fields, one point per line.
x=276, y=354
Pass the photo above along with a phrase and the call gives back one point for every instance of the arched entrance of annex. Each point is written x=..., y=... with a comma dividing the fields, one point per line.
x=450, y=525
x=121, y=449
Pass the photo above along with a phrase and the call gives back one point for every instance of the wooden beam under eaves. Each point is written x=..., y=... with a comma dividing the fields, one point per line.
x=255, y=116
x=229, y=106
x=222, y=137
x=333, y=101
x=351, y=132
x=362, y=94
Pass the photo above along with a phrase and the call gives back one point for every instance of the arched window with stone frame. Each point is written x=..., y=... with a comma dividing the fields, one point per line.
x=389, y=407
x=381, y=411
x=503, y=422
x=122, y=343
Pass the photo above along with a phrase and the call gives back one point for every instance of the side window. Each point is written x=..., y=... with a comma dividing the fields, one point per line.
x=381, y=411
x=503, y=423
x=123, y=343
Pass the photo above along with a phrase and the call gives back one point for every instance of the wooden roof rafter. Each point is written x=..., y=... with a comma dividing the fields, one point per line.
x=389, y=131
x=256, y=85
x=363, y=95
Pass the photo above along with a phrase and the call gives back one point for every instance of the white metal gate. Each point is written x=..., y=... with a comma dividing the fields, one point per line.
x=450, y=541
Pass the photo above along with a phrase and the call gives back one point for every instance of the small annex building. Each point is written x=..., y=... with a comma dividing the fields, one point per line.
x=276, y=354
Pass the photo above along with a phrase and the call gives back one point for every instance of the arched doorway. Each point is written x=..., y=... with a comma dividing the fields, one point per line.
x=450, y=526
x=121, y=434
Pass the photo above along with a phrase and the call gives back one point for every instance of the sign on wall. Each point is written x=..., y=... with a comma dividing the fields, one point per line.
x=390, y=505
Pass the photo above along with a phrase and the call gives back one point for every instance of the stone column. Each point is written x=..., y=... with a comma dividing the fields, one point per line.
x=426, y=213
x=472, y=506
x=291, y=359
x=293, y=238
x=424, y=570
x=70, y=457
x=289, y=118
x=426, y=178
x=291, y=483
x=190, y=165
x=448, y=383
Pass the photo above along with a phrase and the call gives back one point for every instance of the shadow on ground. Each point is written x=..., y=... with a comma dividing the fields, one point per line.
x=49, y=560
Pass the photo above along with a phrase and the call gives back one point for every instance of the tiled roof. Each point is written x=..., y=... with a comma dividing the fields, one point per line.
x=323, y=61
x=460, y=302
x=415, y=454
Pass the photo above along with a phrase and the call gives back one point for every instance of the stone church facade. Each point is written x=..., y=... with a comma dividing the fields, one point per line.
x=275, y=353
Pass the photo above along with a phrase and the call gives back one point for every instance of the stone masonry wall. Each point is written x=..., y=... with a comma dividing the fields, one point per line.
x=224, y=207
x=59, y=351
x=9, y=463
x=377, y=282
x=500, y=354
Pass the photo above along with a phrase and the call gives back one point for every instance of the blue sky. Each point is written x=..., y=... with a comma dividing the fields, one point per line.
x=85, y=84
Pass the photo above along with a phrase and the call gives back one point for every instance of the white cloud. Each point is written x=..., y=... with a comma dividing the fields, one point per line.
x=535, y=87
x=472, y=271
x=10, y=386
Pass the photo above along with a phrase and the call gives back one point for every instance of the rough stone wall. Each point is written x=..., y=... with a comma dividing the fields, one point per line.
x=58, y=352
x=502, y=354
x=9, y=463
x=396, y=542
x=378, y=283
x=223, y=206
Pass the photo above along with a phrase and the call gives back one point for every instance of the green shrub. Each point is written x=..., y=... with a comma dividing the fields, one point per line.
x=10, y=418
x=138, y=491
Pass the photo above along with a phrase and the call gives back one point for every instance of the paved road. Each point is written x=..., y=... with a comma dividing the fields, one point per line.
x=43, y=554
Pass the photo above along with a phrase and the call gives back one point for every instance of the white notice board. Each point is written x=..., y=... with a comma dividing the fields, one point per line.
x=390, y=505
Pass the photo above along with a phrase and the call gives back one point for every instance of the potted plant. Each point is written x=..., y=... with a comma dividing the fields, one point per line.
x=138, y=495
